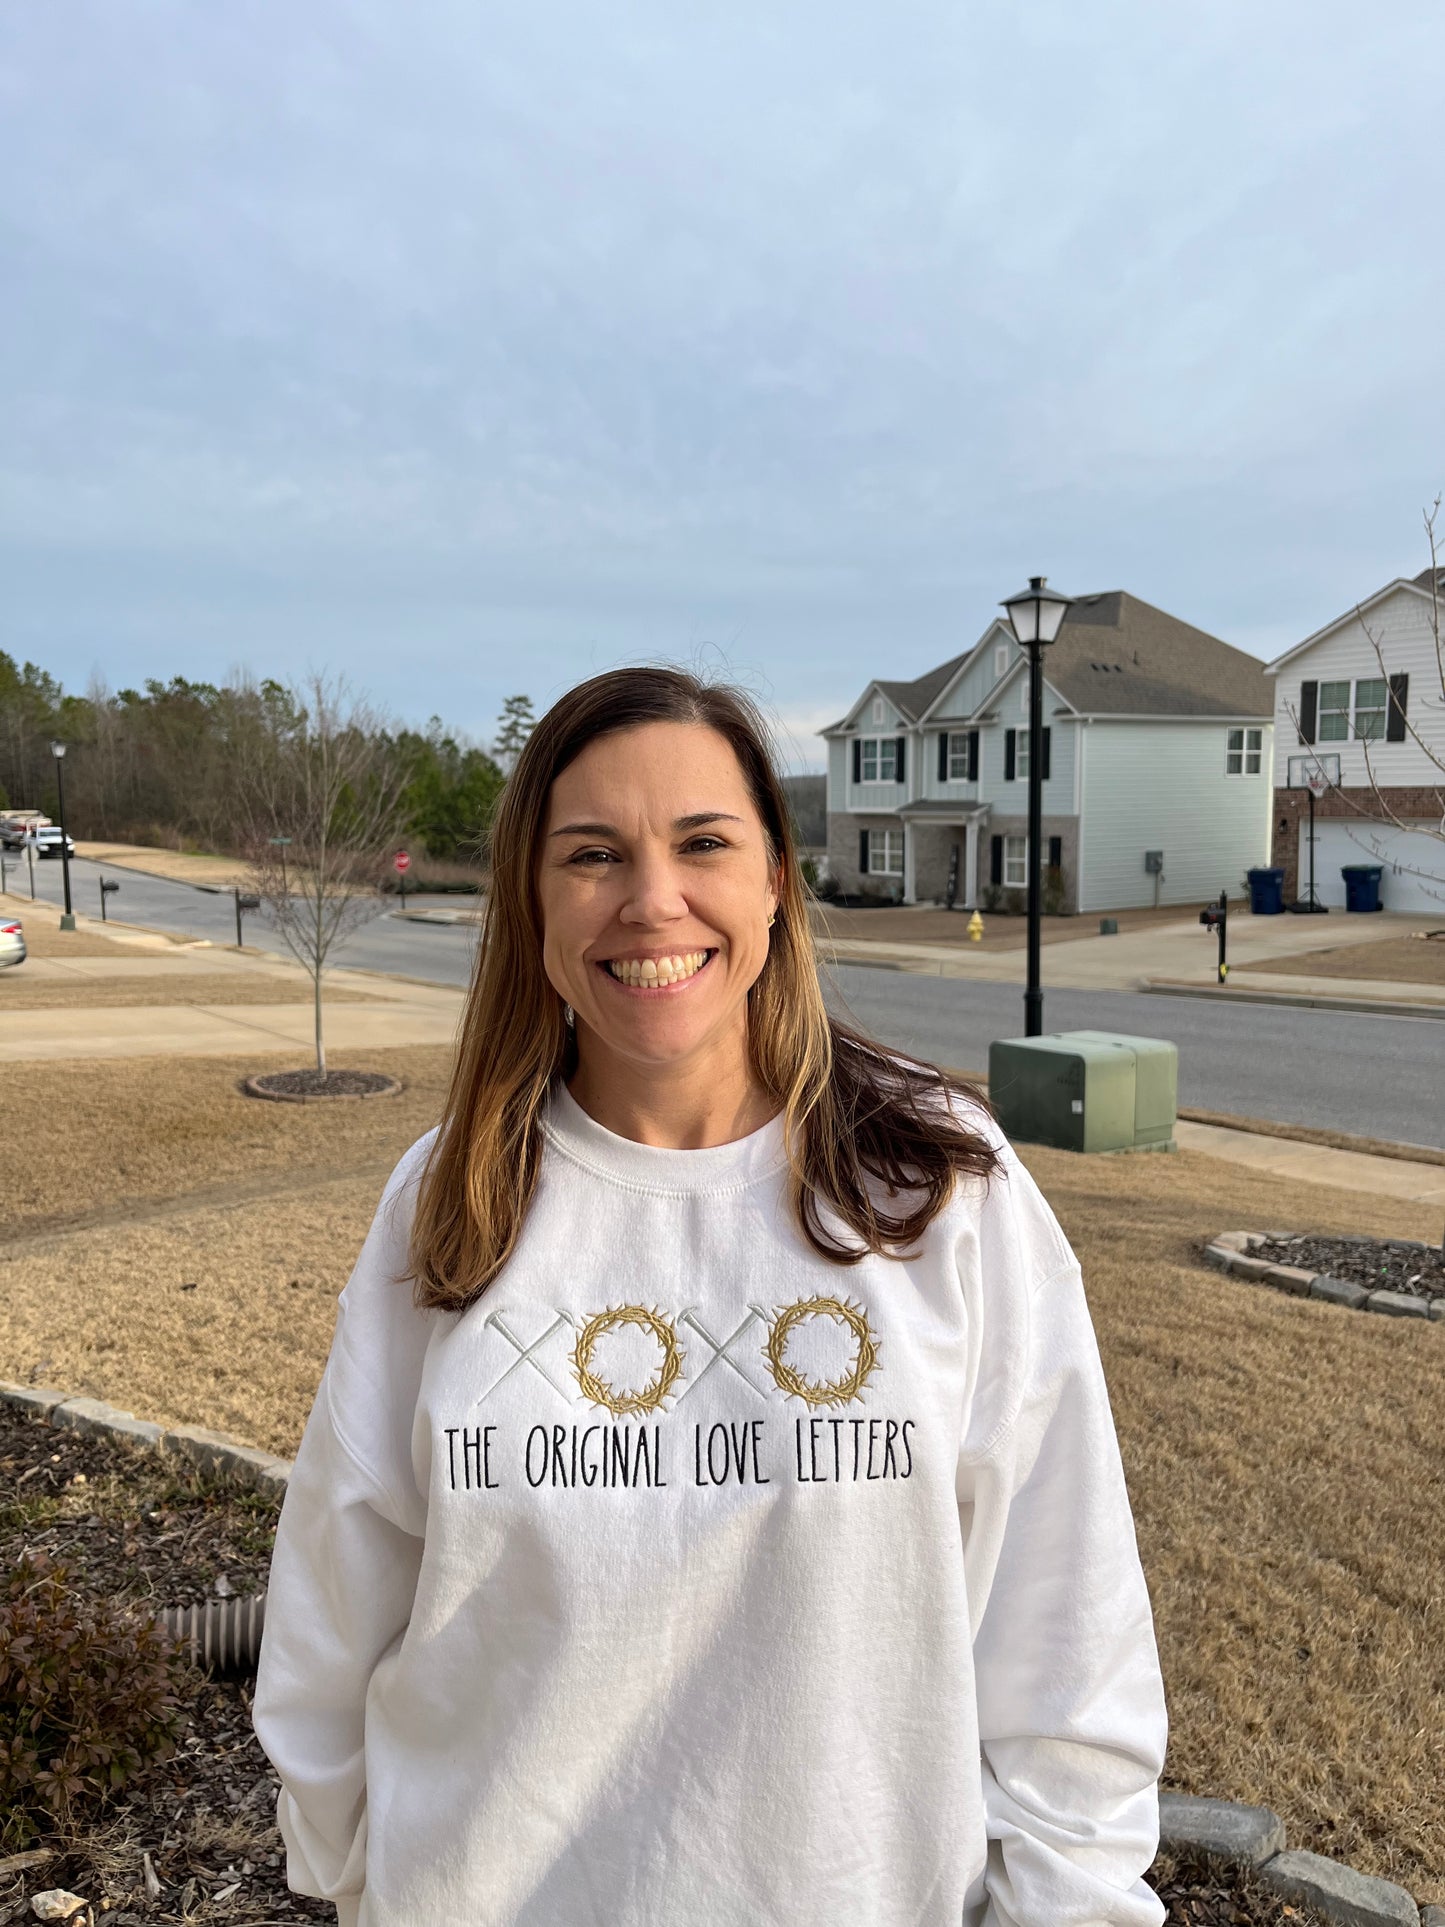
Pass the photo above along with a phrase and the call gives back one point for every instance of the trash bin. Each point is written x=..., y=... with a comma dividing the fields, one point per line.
x=1266, y=892
x=1362, y=885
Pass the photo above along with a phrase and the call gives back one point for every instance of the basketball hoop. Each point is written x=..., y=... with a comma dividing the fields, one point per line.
x=1316, y=782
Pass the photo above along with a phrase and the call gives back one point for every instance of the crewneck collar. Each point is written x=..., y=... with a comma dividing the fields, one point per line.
x=646, y=1167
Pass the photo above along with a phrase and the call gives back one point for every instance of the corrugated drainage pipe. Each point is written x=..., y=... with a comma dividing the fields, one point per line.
x=223, y=1635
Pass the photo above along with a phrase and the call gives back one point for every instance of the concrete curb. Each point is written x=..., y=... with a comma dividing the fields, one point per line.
x=1230, y=1252
x=1230, y=992
x=1254, y=1838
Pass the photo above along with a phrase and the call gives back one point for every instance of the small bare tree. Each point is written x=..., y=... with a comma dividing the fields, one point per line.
x=320, y=802
x=1424, y=726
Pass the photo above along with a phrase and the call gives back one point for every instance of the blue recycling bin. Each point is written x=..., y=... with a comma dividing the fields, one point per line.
x=1362, y=885
x=1266, y=892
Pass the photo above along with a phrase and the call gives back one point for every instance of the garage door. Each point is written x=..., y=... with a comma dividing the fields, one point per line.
x=1338, y=843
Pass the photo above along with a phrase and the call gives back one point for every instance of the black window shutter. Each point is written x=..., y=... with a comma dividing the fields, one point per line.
x=943, y=757
x=863, y=852
x=1399, y=700
x=995, y=856
x=1056, y=853
x=857, y=759
x=1308, y=703
x=898, y=764
x=973, y=756
x=1008, y=756
x=1048, y=738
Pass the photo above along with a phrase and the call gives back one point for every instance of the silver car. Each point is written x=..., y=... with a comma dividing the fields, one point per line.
x=12, y=941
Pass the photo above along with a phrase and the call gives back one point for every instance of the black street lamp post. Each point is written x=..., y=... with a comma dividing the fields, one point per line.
x=1036, y=615
x=57, y=750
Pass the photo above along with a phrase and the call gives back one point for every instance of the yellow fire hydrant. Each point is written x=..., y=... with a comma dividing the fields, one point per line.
x=975, y=927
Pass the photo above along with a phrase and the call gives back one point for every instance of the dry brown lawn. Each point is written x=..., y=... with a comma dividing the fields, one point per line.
x=45, y=938
x=179, y=866
x=921, y=924
x=1283, y=1456
x=198, y=987
x=1401, y=960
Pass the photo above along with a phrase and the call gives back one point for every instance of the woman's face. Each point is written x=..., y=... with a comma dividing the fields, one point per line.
x=655, y=891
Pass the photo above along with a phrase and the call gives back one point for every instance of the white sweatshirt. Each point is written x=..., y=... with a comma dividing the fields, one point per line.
x=689, y=1580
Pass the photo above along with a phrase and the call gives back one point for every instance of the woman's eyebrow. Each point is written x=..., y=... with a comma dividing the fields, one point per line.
x=693, y=822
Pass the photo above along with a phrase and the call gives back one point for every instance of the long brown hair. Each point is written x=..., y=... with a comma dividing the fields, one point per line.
x=852, y=1110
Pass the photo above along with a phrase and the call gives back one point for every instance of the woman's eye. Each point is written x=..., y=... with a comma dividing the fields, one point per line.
x=713, y=842
x=591, y=856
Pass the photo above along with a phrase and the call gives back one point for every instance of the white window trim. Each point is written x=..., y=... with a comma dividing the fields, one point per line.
x=877, y=709
x=1353, y=711
x=1000, y=659
x=877, y=743
x=1021, y=756
x=1251, y=746
x=1022, y=881
x=957, y=755
x=881, y=844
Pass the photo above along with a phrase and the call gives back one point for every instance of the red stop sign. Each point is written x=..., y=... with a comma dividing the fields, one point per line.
x=402, y=861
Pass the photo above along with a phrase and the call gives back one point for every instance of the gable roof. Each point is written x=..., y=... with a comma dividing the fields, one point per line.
x=911, y=699
x=1118, y=656
x=1417, y=585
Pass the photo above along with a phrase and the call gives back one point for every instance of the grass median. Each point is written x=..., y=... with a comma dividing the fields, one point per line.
x=177, y=1249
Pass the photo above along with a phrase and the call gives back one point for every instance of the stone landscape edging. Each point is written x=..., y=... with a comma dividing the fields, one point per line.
x=1254, y=1838
x=1230, y=1250
x=1241, y=1836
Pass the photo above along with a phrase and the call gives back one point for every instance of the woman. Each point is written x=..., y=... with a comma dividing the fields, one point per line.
x=728, y=1527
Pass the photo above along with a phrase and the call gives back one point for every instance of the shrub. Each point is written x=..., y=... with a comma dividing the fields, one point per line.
x=1052, y=892
x=90, y=1691
x=808, y=871
x=990, y=896
x=1014, y=903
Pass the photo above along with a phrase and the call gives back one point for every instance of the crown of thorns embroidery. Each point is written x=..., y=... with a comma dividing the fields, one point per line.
x=597, y=1389
x=837, y=1391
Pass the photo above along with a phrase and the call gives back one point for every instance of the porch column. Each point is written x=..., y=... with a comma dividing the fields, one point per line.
x=908, y=891
x=970, y=864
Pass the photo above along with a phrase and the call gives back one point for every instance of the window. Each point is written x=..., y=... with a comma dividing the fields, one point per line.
x=1334, y=712
x=880, y=759
x=1016, y=862
x=1000, y=659
x=1021, y=756
x=885, y=853
x=1370, y=710
x=877, y=709
x=958, y=757
x=1243, y=752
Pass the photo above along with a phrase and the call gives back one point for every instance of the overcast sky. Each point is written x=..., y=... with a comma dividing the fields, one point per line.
x=473, y=349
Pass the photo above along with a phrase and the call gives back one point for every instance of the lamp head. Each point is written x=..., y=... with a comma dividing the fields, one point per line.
x=1036, y=614
x=57, y=749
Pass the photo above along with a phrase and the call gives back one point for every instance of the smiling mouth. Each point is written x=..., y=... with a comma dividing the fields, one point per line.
x=658, y=973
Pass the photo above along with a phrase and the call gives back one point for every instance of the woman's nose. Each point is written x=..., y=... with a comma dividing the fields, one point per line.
x=655, y=894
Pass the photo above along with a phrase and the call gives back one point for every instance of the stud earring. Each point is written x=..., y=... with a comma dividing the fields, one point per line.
x=772, y=920
x=569, y=1015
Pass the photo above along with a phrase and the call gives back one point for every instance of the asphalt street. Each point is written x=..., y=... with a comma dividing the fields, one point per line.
x=1338, y=1070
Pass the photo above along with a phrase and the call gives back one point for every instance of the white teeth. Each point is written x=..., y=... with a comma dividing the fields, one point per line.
x=653, y=973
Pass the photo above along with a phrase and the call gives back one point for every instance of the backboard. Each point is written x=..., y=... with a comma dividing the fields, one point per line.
x=1323, y=766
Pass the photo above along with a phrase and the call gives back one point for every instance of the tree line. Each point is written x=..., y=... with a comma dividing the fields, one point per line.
x=170, y=763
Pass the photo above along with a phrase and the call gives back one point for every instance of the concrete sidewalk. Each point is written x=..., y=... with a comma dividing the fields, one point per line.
x=1317, y=1163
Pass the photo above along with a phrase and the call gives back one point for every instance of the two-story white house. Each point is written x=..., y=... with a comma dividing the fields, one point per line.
x=1383, y=715
x=1157, y=768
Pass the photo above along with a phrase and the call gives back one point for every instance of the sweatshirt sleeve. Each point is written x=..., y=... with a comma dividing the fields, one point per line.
x=345, y=1564
x=1072, y=1714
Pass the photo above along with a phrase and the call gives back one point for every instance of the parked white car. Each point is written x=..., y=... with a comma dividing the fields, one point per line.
x=12, y=942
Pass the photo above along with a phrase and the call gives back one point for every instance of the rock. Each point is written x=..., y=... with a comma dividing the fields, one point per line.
x=1338, y=1291
x=1244, y=1836
x=1353, y=1899
x=1397, y=1304
x=57, y=1904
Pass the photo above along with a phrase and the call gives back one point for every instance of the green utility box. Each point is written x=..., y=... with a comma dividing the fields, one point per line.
x=1086, y=1090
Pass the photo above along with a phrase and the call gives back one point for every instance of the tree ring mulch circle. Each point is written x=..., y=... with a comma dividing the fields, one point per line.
x=311, y=1087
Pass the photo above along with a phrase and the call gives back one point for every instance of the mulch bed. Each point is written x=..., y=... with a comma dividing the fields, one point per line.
x=1380, y=1264
x=306, y=1085
x=192, y=1840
